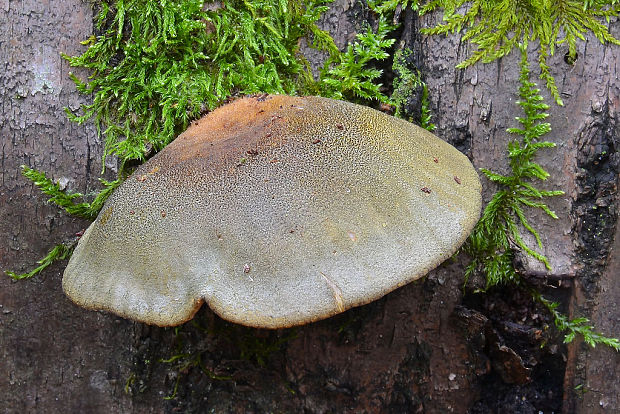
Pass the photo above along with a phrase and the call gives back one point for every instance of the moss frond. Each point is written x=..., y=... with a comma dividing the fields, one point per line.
x=498, y=232
x=66, y=200
x=59, y=252
x=350, y=75
x=576, y=326
x=495, y=239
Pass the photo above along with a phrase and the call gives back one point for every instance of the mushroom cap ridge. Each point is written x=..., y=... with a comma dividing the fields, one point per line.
x=276, y=211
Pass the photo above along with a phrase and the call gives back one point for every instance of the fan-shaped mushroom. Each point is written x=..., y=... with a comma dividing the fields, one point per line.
x=276, y=211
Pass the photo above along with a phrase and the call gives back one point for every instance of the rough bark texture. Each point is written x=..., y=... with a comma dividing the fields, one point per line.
x=474, y=107
x=54, y=357
x=423, y=348
x=591, y=386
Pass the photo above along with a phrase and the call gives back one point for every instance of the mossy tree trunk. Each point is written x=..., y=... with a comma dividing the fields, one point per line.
x=473, y=108
x=423, y=348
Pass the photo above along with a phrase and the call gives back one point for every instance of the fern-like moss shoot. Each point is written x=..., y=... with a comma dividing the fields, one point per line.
x=497, y=235
x=59, y=252
x=491, y=243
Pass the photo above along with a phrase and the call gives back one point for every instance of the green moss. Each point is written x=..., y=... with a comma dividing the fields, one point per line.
x=492, y=240
x=575, y=327
x=496, y=27
x=350, y=75
x=387, y=7
x=407, y=83
x=66, y=201
x=59, y=252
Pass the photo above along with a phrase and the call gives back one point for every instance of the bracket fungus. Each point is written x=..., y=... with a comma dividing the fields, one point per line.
x=276, y=211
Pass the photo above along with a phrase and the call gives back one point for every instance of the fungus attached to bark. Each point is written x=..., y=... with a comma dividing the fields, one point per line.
x=276, y=211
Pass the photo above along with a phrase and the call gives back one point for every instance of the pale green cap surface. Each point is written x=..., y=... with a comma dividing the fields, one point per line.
x=276, y=211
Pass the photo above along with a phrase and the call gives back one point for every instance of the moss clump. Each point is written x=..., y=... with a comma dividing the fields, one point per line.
x=497, y=27
x=159, y=64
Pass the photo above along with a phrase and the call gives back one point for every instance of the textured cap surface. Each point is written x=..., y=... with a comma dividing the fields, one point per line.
x=276, y=211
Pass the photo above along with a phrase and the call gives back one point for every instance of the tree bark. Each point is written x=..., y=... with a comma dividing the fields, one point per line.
x=473, y=109
x=422, y=348
x=55, y=358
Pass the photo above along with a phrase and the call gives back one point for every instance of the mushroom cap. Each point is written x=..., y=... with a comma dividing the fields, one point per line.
x=276, y=211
